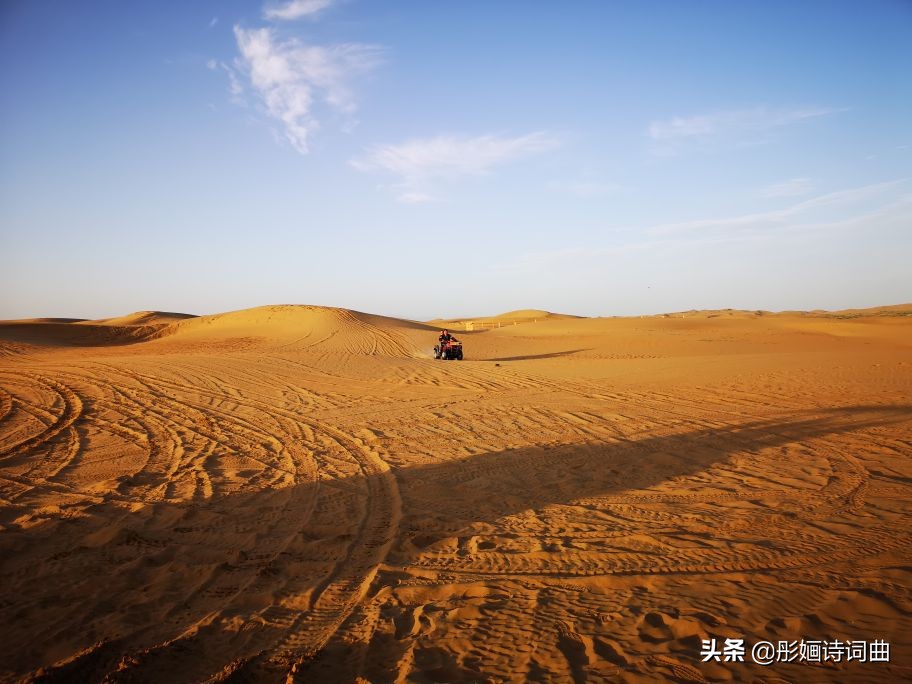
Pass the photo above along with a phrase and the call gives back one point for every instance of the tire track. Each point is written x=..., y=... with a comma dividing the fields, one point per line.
x=6, y=404
x=346, y=586
x=72, y=410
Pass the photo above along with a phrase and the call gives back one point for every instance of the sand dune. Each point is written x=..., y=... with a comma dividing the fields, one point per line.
x=274, y=327
x=18, y=336
x=291, y=328
x=25, y=335
x=143, y=318
x=301, y=493
x=500, y=320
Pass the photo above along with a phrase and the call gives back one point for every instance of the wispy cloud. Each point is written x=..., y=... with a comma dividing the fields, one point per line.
x=451, y=155
x=706, y=125
x=290, y=77
x=295, y=9
x=807, y=210
x=884, y=207
x=585, y=188
x=794, y=187
x=416, y=198
x=736, y=127
x=419, y=162
x=234, y=83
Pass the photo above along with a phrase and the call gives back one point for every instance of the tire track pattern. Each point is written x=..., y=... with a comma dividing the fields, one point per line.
x=283, y=513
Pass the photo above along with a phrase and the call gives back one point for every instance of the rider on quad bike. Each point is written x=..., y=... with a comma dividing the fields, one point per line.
x=448, y=348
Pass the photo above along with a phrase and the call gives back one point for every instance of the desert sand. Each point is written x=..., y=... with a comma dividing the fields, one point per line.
x=301, y=493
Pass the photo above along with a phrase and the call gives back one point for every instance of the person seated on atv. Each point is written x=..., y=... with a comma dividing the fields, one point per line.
x=445, y=338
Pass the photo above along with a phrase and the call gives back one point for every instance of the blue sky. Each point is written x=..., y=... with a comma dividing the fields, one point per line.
x=444, y=159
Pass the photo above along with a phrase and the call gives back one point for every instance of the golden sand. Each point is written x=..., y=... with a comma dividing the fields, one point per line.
x=304, y=493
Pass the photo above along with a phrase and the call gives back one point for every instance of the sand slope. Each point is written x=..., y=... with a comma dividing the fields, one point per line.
x=301, y=327
x=300, y=493
x=142, y=318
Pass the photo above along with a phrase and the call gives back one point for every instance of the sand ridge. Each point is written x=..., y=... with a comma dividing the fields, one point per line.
x=142, y=318
x=302, y=492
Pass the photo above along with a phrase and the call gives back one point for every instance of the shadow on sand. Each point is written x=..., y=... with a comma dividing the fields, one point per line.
x=551, y=355
x=51, y=607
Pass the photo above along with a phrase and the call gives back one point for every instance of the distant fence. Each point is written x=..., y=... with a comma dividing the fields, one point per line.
x=469, y=326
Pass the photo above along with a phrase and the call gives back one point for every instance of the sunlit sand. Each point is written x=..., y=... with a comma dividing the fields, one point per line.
x=304, y=491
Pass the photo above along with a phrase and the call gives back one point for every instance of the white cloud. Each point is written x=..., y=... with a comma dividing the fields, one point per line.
x=448, y=156
x=295, y=9
x=790, y=188
x=734, y=128
x=586, y=188
x=731, y=121
x=416, y=198
x=421, y=161
x=213, y=22
x=234, y=83
x=884, y=208
x=291, y=77
x=810, y=209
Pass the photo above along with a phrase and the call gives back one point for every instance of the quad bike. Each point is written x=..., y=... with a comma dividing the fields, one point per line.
x=449, y=350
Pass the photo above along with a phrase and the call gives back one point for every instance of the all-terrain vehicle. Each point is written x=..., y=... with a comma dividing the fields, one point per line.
x=449, y=350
